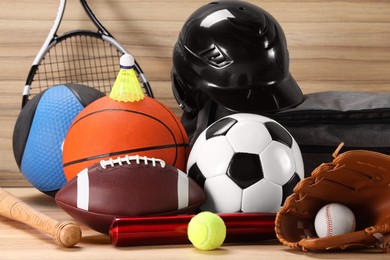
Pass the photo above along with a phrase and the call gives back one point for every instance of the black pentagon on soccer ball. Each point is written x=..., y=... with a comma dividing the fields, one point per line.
x=220, y=127
x=245, y=169
x=279, y=134
x=195, y=174
x=289, y=186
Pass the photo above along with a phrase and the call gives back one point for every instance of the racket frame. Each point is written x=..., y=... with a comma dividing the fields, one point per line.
x=52, y=39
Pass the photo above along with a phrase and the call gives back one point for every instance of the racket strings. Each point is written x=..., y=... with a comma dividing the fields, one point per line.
x=81, y=59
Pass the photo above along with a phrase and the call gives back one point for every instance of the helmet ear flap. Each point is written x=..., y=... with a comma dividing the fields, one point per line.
x=182, y=95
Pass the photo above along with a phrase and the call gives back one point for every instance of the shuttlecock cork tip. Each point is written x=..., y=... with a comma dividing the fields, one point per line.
x=126, y=61
x=126, y=87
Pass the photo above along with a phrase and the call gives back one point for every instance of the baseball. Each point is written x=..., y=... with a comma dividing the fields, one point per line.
x=334, y=219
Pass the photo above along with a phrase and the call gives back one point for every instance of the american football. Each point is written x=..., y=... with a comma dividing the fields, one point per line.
x=128, y=186
x=246, y=163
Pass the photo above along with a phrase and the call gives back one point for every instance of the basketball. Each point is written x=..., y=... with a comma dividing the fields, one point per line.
x=40, y=130
x=108, y=128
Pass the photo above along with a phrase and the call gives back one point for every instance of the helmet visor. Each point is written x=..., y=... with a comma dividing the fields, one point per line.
x=254, y=99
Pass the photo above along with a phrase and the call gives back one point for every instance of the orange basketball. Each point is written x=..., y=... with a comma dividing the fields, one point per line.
x=108, y=128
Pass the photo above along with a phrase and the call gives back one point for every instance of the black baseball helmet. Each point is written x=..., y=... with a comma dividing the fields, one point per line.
x=234, y=53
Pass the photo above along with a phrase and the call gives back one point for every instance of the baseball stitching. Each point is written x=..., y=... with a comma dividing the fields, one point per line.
x=329, y=226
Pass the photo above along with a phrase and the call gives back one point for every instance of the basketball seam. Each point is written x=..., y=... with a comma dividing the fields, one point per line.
x=178, y=126
x=124, y=152
x=135, y=112
x=75, y=94
x=35, y=106
x=124, y=110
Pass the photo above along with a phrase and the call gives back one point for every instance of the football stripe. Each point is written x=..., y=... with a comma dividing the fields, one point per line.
x=83, y=190
x=182, y=190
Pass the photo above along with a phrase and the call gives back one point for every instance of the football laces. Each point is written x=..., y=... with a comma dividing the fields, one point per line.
x=131, y=159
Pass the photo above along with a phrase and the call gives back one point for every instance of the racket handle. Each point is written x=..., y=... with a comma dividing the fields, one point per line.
x=240, y=227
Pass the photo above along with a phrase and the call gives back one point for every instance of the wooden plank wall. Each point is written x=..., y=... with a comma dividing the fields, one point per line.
x=334, y=45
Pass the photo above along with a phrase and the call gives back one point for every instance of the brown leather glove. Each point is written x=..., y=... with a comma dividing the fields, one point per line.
x=358, y=179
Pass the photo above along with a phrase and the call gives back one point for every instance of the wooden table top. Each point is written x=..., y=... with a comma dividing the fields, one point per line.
x=19, y=241
x=333, y=45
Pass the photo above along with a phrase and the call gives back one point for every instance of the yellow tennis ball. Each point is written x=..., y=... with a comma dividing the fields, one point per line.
x=206, y=231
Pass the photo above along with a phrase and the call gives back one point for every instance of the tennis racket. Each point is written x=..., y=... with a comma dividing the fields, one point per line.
x=79, y=56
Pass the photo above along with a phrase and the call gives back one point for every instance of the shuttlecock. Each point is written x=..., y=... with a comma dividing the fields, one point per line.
x=126, y=87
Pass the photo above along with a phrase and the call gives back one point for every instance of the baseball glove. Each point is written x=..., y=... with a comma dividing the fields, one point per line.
x=358, y=179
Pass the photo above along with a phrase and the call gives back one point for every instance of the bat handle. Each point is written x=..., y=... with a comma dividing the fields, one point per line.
x=64, y=233
x=67, y=233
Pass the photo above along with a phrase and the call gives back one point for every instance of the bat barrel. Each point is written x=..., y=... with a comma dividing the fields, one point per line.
x=240, y=227
x=149, y=230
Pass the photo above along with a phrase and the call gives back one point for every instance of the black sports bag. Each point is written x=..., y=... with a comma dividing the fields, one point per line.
x=320, y=123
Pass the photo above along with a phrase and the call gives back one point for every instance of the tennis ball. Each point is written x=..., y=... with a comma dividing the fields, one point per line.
x=206, y=231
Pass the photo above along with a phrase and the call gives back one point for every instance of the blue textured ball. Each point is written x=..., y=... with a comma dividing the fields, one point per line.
x=41, y=129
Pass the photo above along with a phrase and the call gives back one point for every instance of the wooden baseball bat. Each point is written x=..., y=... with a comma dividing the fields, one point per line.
x=64, y=233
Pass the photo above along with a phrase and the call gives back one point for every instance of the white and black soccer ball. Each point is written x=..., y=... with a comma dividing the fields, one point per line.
x=245, y=163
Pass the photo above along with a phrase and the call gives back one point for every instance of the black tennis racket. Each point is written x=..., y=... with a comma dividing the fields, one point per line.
x=79, y=56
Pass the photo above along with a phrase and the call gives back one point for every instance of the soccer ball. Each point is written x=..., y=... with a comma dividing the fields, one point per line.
x=245, y=163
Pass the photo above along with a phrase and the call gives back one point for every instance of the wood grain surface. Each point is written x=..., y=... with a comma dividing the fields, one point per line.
x=19, y=241
x=334, y=45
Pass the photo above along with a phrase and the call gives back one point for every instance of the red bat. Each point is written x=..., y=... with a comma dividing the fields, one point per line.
x=240, y=227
